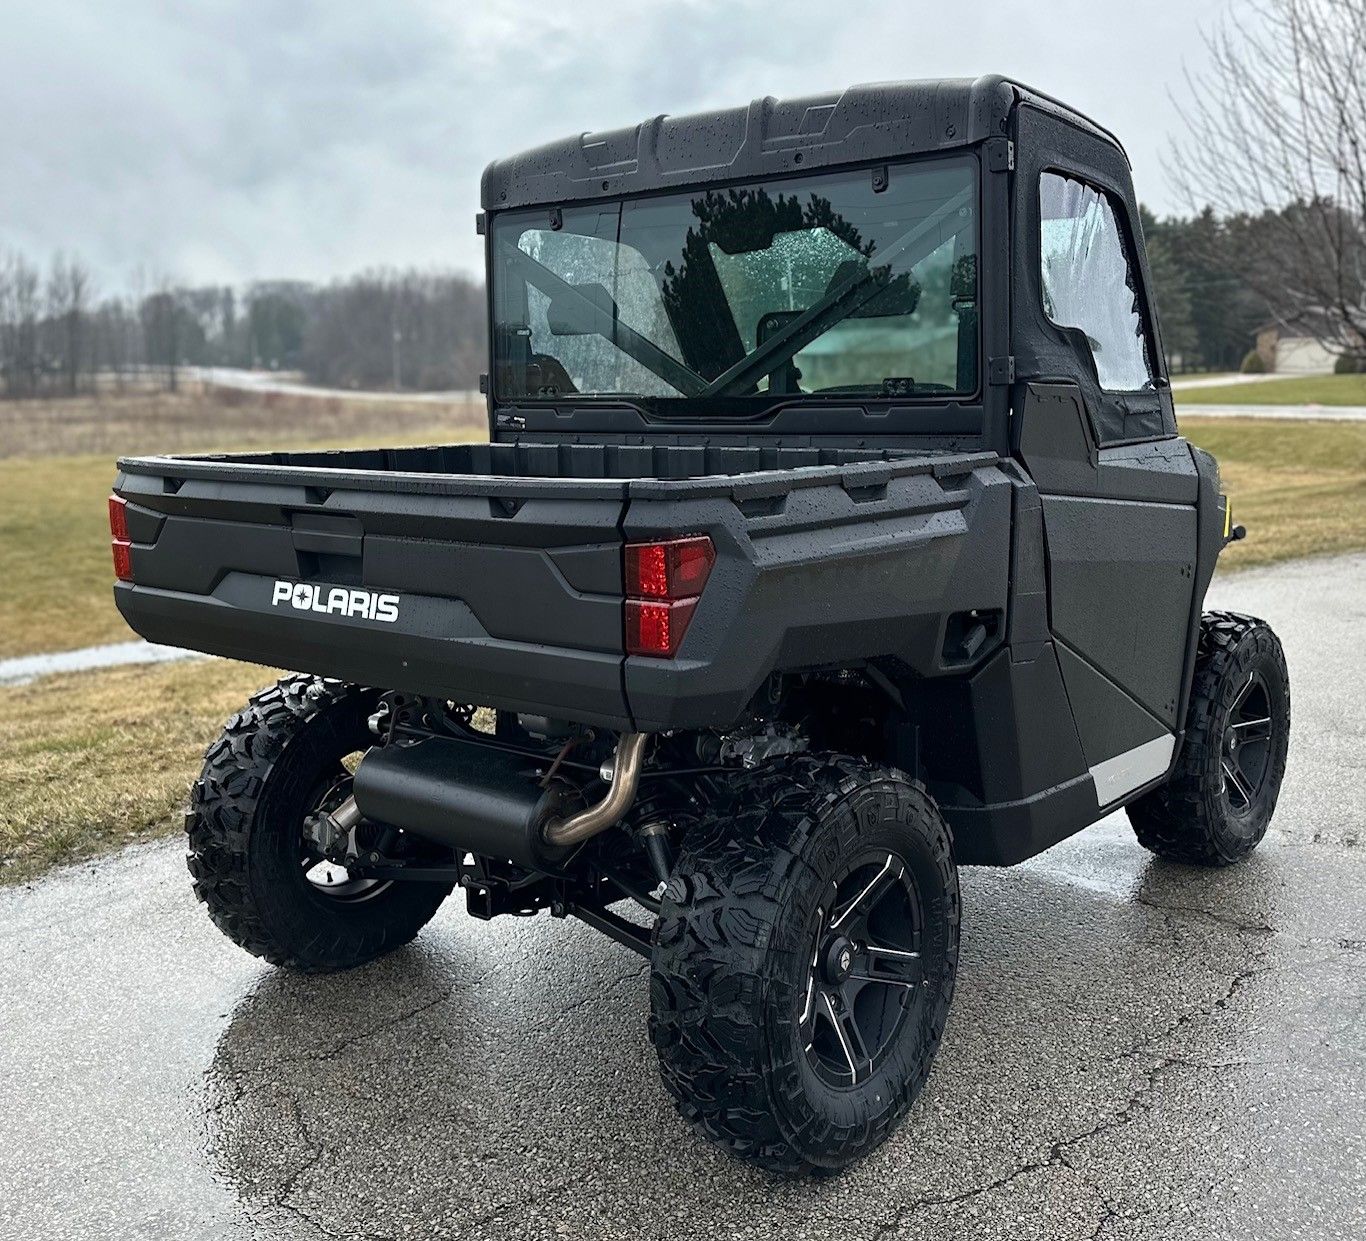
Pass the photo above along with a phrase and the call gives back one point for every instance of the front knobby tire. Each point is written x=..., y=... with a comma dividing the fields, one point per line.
x=804, y=962
x=1216, y=805
x=275, y=763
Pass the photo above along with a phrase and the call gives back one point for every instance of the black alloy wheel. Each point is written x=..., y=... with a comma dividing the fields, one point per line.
x=1247, y=745
x=866, y=973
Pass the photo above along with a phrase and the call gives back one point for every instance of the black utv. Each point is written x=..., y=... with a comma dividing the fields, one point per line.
x=834, y=531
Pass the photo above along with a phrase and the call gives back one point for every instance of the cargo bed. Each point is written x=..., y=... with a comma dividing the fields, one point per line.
x=492, y=574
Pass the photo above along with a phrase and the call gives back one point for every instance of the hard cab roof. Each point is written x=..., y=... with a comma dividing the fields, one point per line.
x=769, y=137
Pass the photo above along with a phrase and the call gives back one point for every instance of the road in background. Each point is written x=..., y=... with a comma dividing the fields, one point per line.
x=1137, y=1050
x=268, y=382
x=1312, y=413
x=25, y=668
x=1233, y=377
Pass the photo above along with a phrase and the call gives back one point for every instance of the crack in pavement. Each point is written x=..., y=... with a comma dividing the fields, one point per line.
x=380, y=1027
x=279, y=1198
x=905, y=1212
x=1110, y=1215
x=237, y=1086
x=394, y=1021
x=596, y=996
x=1236, y=983
x=1251, y=928
x=1057, y=1158
x=1057, y=1153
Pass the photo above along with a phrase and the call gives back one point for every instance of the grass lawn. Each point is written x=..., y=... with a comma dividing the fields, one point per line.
x=1299, y=487
x=90, y=761
x=1307, y=390
x=220, y=420
x=54, y=527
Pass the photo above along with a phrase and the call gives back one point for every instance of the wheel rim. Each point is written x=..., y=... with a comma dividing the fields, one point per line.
x=866, y=971
x=330, y=880
x=1245, y=750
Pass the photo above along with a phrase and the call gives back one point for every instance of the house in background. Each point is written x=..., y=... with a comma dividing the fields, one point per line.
x=1296, y=347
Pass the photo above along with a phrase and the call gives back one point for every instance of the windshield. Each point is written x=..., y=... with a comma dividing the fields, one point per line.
x=854, y=284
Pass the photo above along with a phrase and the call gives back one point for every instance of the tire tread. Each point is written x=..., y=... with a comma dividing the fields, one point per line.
x=1181, y=820
x=708, y=977
x=222, y=820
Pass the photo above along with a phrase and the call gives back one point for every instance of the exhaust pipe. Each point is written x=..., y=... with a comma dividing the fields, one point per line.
x=481, y=800
x=626, y=766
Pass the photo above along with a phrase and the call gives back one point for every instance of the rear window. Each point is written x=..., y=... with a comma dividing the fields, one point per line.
x=847, y=284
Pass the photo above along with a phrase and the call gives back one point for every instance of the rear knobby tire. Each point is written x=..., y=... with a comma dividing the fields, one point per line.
x=262, y=777
x=1216, y=804
x=752, y=903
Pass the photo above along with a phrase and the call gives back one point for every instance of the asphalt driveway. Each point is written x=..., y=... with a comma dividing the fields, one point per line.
x=1137, y=1049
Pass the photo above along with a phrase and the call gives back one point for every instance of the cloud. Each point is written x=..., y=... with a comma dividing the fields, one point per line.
x=227, y=141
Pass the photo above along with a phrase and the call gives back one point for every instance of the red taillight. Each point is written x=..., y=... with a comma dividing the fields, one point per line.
x=654, y=627
x=118, y=518
x=676, y=569
x=663, y=582
x=118, y=531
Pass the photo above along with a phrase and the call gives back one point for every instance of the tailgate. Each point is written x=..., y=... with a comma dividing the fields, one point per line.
x=501, y=591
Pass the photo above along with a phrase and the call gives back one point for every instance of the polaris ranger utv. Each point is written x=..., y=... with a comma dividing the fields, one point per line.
x=834, y=531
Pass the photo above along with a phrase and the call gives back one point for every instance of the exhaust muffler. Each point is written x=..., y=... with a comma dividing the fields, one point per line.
x=486, y=801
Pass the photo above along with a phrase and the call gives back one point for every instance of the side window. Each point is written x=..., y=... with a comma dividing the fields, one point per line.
x=1088, y=280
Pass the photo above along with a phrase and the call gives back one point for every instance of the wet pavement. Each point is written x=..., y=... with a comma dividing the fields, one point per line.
x=1136, y=1050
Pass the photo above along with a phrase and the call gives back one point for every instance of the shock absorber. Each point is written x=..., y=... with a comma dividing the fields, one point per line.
x=654, y=838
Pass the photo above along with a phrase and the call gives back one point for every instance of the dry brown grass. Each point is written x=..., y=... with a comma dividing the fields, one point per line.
x=91, y=761
x=1298, y=486
x=1302, y=390
x=96, y=760
x=55, y=567
x=218, y=420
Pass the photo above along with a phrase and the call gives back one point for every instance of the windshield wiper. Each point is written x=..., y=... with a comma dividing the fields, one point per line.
x=600, y=321
x=914, y=245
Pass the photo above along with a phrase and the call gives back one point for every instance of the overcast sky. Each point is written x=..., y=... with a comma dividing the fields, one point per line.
x=227, y=140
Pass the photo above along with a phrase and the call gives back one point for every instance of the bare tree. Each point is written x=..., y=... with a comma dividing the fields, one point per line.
x=1276, y=134
x=20, y=346
x=6, y=324
x=416, y=330
x=68, y=308
x=162, y=319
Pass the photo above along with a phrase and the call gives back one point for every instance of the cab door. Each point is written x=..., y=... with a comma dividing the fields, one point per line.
x=1092, y=422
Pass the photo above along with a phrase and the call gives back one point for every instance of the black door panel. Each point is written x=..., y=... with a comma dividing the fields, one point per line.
x=1121, y=575
x=1109, y=721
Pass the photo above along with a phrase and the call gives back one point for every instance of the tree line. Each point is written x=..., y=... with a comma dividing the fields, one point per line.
x=1275, y=143
x=383, y=329
x=1219, y=280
